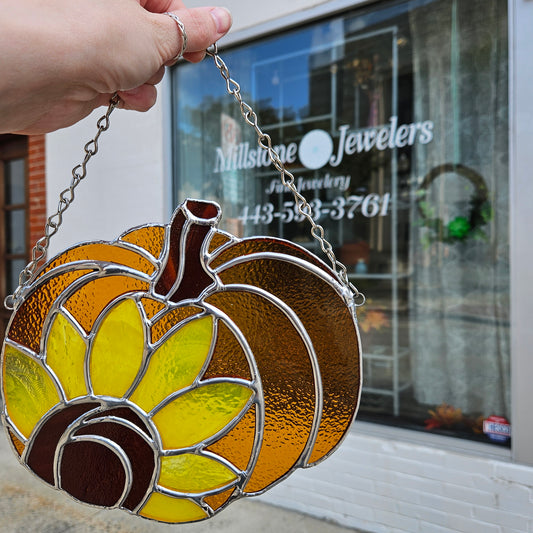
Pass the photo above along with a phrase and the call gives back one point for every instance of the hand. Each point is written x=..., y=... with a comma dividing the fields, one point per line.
x=63, y=58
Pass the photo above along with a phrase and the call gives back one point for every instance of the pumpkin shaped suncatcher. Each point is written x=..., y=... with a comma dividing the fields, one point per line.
x=178, y=368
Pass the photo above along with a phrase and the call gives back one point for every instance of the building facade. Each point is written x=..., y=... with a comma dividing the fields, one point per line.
x=407, y=125
x=23, y=205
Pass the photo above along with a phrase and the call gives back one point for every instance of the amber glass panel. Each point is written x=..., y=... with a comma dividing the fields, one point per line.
x=218, y=500
x=170, y=319
x=265, y=244
x=103, y=252
x=217, y=240
x=89, y=301
x=151, y=307
x=19, y=446
x=151, y=238
x=237, y=445
x=287, y=379
x=331, y=328
x=228, y=358
x=35, y=309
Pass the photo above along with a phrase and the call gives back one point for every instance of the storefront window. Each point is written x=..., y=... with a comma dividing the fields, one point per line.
x=394, y=120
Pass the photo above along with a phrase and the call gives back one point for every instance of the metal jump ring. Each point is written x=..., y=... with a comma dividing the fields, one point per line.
x=181, y=26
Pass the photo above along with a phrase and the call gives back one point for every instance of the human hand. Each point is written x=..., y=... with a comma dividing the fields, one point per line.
x=63, y=58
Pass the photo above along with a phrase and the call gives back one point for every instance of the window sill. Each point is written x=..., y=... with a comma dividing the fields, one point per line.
x=431, y=440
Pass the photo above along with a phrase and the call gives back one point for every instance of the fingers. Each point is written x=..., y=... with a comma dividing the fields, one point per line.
x=160, y=6
x=139, y=99
x=157, y=77
x=144, y=97
x=204, y=26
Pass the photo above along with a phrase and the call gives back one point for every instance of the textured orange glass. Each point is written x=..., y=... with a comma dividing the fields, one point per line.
x=318, y=306
x=217, y=240
x=218, y=500
x=289, y=411
x=19, y=446
x=228, y=357
x=170, y=319
x=152, y=307
x=35, y=308
x=264, y=244
x=151, y=238
x=237, y=445
x=87, y=303
x=103, y=252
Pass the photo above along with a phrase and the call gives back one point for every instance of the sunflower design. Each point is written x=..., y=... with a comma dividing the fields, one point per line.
x=117, y=422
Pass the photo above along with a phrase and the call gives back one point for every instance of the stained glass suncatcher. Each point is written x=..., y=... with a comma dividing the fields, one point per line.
x=178, y=368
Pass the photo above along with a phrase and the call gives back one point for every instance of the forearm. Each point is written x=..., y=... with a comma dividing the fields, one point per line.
x=62, y=58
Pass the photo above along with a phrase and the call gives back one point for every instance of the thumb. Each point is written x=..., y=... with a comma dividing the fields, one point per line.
x=203, y=26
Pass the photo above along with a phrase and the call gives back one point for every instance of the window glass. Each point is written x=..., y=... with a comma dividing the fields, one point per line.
x=15, y=179
x=13, y=216
x=394, y=120
x=16, y=231
x=14, y=268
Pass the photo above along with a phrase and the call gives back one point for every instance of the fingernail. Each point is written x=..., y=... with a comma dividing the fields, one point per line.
x=222, y=18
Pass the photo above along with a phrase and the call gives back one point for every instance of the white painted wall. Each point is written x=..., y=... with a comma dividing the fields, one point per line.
x=246, y=14
x=126, y=182
x=394, y=486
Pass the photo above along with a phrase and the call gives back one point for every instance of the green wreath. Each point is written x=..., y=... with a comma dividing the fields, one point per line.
x=460, y=228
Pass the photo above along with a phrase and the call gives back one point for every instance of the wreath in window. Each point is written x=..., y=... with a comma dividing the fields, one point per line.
x=462, y=227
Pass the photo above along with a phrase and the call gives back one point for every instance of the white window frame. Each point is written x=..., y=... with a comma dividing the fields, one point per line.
x=520, y=19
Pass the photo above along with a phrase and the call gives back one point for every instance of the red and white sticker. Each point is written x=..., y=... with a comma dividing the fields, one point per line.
x=497, y=428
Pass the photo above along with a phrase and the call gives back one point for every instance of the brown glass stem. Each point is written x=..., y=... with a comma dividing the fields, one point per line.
x=184, y=274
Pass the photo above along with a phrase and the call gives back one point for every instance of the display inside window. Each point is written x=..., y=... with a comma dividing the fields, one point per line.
x=394, y=120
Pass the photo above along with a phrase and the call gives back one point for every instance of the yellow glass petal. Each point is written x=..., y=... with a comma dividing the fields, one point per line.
x=200, y=413
x=29, y=391
x=173, y=510
x=194, y=473
x=175, y=364
x=65, y=355
x=117, y=352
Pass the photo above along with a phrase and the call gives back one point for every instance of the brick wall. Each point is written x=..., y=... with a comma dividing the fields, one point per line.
x=383, y=485
x=37, y=187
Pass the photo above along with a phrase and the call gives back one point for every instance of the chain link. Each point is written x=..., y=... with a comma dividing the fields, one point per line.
x=79, y=172
x=287, y=178
x=65, y=199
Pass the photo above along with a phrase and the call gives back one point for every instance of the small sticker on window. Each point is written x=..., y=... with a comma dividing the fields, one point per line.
x=497, y=428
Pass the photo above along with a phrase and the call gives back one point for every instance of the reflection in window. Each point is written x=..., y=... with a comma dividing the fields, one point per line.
x=393, y=119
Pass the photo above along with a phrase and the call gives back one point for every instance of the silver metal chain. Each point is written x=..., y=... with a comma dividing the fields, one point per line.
x=66, y=197
x=79, y=172
x=287, y=178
